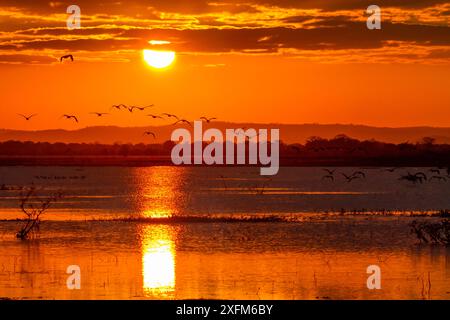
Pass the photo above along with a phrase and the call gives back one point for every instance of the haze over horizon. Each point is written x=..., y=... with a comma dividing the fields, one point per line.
x=289, y=133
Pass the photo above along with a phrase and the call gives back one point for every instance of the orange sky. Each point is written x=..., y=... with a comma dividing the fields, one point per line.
x=259, y=60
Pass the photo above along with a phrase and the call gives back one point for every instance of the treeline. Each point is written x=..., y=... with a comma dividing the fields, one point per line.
x=28, y=148
x=344, y=146
x=339, y=150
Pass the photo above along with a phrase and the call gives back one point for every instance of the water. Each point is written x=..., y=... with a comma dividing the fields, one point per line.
x=103, y=192
x=318, y=256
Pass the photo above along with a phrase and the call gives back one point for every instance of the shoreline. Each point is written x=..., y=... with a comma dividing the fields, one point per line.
x=298, y=217
x=147, y=161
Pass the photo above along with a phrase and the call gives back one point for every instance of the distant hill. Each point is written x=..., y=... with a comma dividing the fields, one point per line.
x=289, y=133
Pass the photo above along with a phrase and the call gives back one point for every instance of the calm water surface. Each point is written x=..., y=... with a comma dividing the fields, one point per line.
x=322, y=256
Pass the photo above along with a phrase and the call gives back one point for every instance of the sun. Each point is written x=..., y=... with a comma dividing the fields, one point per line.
x=159, y=59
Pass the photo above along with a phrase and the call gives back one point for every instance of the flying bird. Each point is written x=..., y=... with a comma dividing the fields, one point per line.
x=119, y=106
x=149, y=133
x=330, y=171
x=143, y=108
x=99, y=114
x=359, y=173
x=350, y=178
x=68, y=116
x=154, y=116
x=67, y=56
x=182, y=121
x=418, y=177
x=27, y=117
x=208, y=120
x=168, y=115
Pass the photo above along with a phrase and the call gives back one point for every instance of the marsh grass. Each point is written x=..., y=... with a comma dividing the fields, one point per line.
x=200, y=218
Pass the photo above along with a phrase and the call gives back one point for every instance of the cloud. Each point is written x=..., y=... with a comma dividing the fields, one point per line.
x=144, y=7
x=331, y=34
x=255, y=27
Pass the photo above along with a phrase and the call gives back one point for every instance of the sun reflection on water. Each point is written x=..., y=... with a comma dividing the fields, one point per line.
x=158, y=260
x=158, y=198
x=158, y=195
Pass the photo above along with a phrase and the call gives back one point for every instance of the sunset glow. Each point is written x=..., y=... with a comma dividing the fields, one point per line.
x=276, y=58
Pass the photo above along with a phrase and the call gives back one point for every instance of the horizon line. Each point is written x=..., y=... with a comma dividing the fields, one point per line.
x=234, y=123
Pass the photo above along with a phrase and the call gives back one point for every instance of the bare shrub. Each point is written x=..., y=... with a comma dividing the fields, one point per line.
x=33, y=209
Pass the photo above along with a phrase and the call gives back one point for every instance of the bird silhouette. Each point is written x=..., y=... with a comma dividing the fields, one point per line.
x=68, y=116
x=359, y=173
x=207, y=120
x=329, y=171
x=143, y=108
x=149, y=133
x=182, y=121
x=119, y=106
x=350, y=178
x=168, y=115
x=67, y=56
x=131, y=108
x=27, y=117
x=99, y=114
x=412, y=178
x=154, y=116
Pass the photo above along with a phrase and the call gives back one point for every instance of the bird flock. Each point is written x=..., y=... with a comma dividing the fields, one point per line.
x=123, y=107
x=355, y=175
x=130, y=109
x=437, y=174
x=440, y=174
